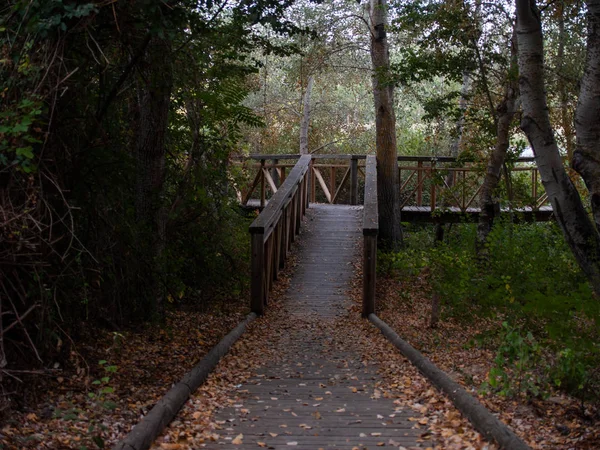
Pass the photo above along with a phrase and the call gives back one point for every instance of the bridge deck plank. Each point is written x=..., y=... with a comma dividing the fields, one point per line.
x=317, y=393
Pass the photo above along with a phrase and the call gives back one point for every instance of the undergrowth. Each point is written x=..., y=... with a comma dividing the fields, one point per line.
x=547, y=337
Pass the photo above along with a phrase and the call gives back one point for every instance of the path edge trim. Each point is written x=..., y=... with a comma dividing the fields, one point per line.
x=482, y=419
x=143, y=434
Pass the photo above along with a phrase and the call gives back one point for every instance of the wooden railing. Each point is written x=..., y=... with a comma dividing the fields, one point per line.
x=274, y=230
x=333, y=178
x=439, y=182
x=370, y=232
x=424, y=181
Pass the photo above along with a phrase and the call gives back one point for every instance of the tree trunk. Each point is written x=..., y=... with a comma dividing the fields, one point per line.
x=154, y=93
x=578, y=230
x=390, y=233
x=505, y=113
x=306, y=116
x=586, y=158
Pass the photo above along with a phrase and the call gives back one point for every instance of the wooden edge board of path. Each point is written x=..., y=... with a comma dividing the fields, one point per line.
x=149, y=428
x=482, y=419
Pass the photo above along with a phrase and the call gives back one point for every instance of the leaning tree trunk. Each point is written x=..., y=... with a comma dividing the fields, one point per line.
x=586, y=158
x=505, y=113
x=306, y=116
x=154, y=93
x=578, y=230
x=390, y=233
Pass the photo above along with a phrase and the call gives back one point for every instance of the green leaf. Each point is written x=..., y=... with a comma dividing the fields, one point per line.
x=27, y=152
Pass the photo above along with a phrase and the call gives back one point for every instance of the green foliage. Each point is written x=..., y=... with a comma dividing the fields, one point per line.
x=103, y=387
x=17, y=134
x=529, y=276
x=515, y=365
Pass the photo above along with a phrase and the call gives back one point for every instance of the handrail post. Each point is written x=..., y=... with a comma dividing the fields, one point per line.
x=313, y=182
x=275, y=173
x=257, y=259
x=370, y=232
x=432, y=199
x=353, y=181
x=419, y=183
x=263, y=188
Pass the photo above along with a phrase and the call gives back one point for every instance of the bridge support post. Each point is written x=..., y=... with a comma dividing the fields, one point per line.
x=369, y=271
x=370, y=232
x=257, y=288
x=353, y=181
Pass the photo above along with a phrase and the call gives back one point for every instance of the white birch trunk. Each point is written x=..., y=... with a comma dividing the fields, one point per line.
x=586, y=158
x=578, y=230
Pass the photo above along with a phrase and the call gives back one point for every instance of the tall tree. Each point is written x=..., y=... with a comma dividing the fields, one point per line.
x=306, y=116
x=586, y=157
x=579, y=231
x=390, y=232
x=154, y=88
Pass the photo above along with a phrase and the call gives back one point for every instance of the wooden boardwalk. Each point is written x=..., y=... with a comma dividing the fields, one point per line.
x=317, y=393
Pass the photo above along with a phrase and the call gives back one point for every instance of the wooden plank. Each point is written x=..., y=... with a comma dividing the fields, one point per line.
x=439, y=159
x=319, y=177
x=270, y=180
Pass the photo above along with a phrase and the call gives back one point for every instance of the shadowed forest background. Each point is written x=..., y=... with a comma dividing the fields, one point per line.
x=122, y=125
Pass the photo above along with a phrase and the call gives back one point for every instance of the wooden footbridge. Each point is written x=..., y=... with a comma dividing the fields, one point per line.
x=432, y=189
x=318, y=394
x=313, y=388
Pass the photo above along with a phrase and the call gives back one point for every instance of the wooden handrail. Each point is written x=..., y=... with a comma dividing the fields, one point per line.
x=274, y=230
x=417, y=158
x=423, y=181
x=370, y=232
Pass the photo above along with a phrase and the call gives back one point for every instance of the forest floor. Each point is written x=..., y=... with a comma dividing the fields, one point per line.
x=458, y=347
x=79, y=408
